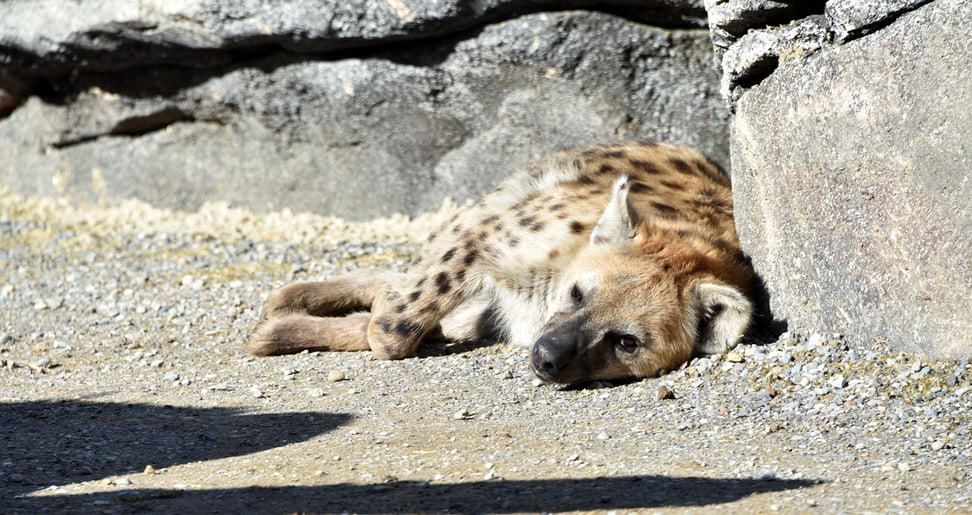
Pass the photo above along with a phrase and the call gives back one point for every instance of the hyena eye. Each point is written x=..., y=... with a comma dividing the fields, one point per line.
x=576, y=295
x=626, y=342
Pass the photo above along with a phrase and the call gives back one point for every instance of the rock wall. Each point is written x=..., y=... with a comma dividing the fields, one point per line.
x=358, y=109
x=852, y=171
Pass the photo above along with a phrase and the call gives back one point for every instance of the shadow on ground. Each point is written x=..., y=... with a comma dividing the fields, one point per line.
x=49, y=443
x=495, y=496
x=60, y=442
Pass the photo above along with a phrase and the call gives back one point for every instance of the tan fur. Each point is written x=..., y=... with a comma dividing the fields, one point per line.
x=610, y=261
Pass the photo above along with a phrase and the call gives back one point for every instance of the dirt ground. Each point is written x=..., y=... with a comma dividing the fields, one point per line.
x=124, y=388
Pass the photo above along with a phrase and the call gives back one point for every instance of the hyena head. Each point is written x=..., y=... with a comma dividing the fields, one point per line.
x=630, y=306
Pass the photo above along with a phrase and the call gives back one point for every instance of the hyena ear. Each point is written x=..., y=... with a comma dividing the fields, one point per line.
x=722, y=315
x=619, y=220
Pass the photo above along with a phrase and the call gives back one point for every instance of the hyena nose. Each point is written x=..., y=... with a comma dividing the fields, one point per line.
x=548, y=356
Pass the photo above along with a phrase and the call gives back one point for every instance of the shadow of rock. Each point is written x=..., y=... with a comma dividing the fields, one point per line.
x=496, y=496
x=60, y=442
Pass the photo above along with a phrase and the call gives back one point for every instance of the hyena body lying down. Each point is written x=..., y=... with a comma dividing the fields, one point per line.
x=612, y=262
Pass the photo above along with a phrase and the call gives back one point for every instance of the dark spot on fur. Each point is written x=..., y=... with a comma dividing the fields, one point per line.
x=682, y=166
x=414, y=296
x=385, y=325
x=400, y=308
x=712, y=170
x=420, y=282
x=646, y=167
x=537, y=227
x=673, y=185
x=553, y=254
x=664, y=209
x=498, y=227
x=442, y=283
x=527, y=220
x=432, y=307
x=490, y=219
x=638, y=187
x=514, y=242
x=483, y=235
x=407, y=329
x=461, y=274
x=605, y=169
x=431, y=238
x=586, y=179
x=614, y=153
x=522, y=203
x=470, y=257
x=456, y=229
x=448, y=255
x=557, y=207
x=577, y=227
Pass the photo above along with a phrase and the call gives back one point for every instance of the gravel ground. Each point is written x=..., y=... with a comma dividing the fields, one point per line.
x=124, y=388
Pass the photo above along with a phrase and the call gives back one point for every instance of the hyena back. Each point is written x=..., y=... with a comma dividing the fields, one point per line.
x=612, y=262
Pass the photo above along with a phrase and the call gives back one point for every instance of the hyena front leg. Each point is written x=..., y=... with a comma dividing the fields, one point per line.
x=321, y=316
x=403, y=317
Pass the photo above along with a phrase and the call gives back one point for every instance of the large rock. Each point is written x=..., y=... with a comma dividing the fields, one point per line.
x=853, y=190
x=394, y=125
x=752, y=37
x=46, y=37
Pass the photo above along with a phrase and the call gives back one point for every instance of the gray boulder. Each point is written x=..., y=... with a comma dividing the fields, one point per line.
x=752, y=37
x=48, y=37
x=851, y=173
x=374, y=111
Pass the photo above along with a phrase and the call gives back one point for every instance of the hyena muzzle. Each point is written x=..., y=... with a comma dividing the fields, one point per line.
x=611, y=262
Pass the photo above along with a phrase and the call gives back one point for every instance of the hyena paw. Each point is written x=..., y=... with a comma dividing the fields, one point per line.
x=393, y=337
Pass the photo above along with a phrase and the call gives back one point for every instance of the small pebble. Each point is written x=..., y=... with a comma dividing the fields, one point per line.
x=149, y=470
x=254, y=391
x=462, y=415
x=335, y=376
x=838, y=381
x=603, y=436
x=734, y=357
x=665, y=393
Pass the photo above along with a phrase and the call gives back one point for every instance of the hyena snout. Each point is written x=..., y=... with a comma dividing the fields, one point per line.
x=553, y=356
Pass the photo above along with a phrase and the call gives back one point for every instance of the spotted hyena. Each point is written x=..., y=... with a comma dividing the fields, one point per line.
x=611, y=262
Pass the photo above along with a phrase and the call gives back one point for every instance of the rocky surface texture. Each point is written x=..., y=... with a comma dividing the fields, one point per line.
x=353, y=108
x=752, y=37
x=124, y=388
x=851, y=177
